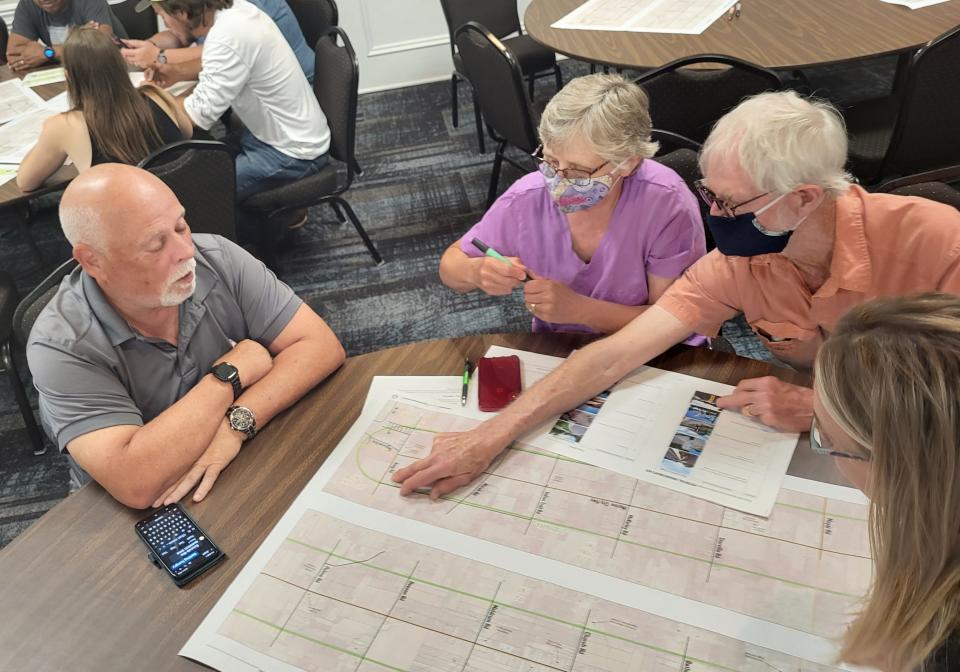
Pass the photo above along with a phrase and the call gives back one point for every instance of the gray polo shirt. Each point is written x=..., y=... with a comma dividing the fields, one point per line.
x=33, y=23
x=93, y=371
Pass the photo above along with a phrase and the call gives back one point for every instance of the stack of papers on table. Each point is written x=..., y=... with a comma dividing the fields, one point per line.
x=689, y=17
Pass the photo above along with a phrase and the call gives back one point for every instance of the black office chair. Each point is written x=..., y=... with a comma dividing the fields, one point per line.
x=934, y=185
x=335, y=86
x=139, y=25
x=4, y=37
x=8, y=304
x=315, y=17
x=684, y=162
x=498, y=82
x=24, y=316
x=915, y=130
x=501, y=19
x=202, y=175
x=689, y=101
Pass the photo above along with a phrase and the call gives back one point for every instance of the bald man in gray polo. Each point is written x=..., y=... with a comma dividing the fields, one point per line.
x=150, y=346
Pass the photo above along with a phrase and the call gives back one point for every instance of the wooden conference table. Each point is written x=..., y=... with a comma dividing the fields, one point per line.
x=78, y=592
x=10, y=193
x=771, y=33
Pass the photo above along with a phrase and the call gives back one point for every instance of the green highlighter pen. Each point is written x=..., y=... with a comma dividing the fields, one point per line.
x=490, y=252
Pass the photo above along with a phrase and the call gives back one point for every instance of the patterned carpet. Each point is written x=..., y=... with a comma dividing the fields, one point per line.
x=424, y=185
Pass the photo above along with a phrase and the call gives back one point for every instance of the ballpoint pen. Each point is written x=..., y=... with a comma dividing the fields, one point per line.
x=490, y=252
x=467, y=370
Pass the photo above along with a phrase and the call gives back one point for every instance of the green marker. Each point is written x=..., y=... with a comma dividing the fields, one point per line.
x=490, y=252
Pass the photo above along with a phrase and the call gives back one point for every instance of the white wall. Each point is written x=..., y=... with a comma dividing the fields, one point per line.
x=399, y=42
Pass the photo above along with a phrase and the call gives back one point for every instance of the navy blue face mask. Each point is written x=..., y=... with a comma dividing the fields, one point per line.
x=742, y=235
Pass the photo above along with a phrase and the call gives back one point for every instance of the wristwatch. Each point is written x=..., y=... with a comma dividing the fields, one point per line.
x=228, y=374
x=49, y=53
x=241, y=420
x=162, y=57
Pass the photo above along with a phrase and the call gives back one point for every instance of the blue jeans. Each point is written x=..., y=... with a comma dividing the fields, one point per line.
x=261, y=167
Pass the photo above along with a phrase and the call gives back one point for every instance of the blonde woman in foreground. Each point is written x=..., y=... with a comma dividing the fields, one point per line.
x=887, y=406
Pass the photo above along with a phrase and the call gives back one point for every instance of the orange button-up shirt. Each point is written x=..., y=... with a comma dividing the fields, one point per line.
x=884, y=245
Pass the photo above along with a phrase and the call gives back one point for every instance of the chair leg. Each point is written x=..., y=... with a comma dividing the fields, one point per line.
x=454, y=100
x=530, y=87
x=593, y=68
x=36, y=437
x=360, y=230
x=495, y=175
x=357, y=168
x=338, y=212
x=559, y=76
x=479, y=121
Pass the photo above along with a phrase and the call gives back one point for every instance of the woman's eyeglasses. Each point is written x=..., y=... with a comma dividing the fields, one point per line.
x=821, y=445
x=576, y=175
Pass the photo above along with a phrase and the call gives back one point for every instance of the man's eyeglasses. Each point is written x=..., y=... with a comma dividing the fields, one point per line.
x=820, y=445
x=580, y=178
x=725, y=208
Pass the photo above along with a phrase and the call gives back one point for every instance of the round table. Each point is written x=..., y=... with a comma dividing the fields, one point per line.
x=81, y=572
x=770, y=33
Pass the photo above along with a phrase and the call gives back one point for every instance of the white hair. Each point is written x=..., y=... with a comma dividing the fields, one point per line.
x=782, y=141
x=82, y=224
x=611, y=112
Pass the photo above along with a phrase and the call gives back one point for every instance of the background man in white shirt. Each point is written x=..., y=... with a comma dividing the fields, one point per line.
x=248, y=66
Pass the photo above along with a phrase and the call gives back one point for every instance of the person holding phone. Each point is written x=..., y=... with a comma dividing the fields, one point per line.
x=798, y=245
x=110, y=120
x=887, y=406
x=601, y=229
x=40, y=28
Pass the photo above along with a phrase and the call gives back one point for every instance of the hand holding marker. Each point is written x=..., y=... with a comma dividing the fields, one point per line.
x=490, y=252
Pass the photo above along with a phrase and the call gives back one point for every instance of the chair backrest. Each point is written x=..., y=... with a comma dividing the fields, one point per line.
x=202, y=175
x=139, y=25
x=689, y=101
x=934, y=191
x=335, y=86
x=685, y=164
x=315, y=17
x=4, y=36
x=924, y=136
x=496, y=77
x=28, y=310
x=498, y=16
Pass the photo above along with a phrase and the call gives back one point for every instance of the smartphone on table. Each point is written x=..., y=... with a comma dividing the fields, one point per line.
x=499, y=381
x=177, y=544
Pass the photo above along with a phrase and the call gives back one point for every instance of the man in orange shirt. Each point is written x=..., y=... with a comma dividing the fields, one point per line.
x=797, y=246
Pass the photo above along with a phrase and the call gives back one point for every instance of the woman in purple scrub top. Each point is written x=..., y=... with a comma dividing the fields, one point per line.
x=601, y=229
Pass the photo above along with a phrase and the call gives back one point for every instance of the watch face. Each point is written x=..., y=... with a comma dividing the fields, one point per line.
x=241, y=419
x=224, y=371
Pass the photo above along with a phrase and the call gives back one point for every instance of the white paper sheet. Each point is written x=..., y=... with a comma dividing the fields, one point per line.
x=41, y=77
x=352, y=581
x=914, y=4
x=59, y=103
x=17, y=100
x=18, y=136
x=7, y=173
x=689, y=17
x=740, y=465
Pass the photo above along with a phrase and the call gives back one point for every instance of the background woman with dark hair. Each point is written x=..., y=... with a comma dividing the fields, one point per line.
x=110, y=120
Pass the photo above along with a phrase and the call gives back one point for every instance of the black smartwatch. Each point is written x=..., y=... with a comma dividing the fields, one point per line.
x=228, y=373
x=241, y=420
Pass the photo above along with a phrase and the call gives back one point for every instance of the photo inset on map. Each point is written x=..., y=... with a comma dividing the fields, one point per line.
x=692, y=434
x=573, y=424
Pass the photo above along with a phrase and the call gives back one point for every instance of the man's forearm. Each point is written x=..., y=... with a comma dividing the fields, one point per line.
x=589, y=371
x=164, y=448
x=295, y=372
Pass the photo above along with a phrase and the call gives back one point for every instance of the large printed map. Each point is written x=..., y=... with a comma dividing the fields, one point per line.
x=338, y=598
x=805, y=567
